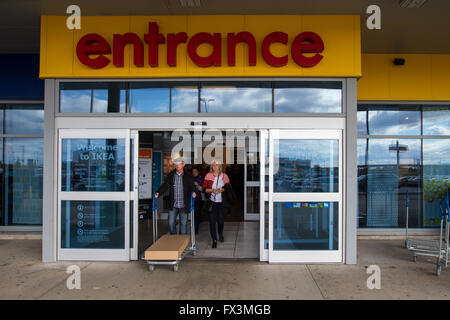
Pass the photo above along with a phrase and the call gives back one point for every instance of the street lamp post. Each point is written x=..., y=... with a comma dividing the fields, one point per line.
x=206, y=101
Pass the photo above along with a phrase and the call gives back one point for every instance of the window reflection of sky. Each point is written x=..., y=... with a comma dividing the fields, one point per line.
x=24, y=121
x=184, y=99
x=362, y=123
x=436, y=152
x=75, y=101
x=393, y=122
x=228, y=96
x=313, y=100
x=379, y=153
x=149, y=100
x=436, y=121
x=80, y=100
x=236, y=99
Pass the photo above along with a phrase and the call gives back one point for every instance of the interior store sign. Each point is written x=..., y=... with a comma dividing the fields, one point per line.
x=92, y=48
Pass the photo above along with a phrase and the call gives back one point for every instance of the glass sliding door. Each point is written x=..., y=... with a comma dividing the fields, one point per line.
x=94, y=195
x=305, y=196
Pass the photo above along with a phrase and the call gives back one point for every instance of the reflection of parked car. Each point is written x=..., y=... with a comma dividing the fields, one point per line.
x=412, y=181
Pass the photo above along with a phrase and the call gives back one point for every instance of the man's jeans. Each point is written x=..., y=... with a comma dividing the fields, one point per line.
x=173, y=218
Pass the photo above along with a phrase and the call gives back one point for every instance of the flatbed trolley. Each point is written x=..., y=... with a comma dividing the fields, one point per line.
x=420, y=247
x=179, y=245
x=444, y=248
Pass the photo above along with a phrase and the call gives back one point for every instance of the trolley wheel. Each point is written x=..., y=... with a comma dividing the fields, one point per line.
x=175, y=267
x=194, y=252
x=438, y=269
x=151, y=267
x=415, y=258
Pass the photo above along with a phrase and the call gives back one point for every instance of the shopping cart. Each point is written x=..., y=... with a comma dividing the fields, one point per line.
x=444, y=248
x=174, y=243
x=421, y=247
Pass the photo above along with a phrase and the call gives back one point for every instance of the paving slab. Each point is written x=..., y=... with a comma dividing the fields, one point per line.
x=24, y=276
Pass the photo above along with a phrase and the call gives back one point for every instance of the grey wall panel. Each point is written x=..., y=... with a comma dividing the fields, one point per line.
x=351, y=190
x=48, y=205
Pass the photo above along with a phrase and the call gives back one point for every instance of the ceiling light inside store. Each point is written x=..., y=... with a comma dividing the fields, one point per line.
x=411, y=3
x=190, y=3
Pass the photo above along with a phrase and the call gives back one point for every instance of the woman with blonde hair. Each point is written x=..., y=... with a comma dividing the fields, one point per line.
x=214, y=186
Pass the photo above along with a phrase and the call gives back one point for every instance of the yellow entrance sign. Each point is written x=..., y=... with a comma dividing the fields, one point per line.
x=201, y=46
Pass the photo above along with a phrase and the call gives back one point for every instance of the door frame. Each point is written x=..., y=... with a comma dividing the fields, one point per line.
x=94, y=254
x=134, y=194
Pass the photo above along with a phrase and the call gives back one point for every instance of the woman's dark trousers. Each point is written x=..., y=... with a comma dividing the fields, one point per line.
x=216, y=215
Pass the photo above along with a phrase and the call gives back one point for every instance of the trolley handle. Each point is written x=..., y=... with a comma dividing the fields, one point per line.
x=407, y=198
x=154, y=203
x=445, y=207
x=192, y=202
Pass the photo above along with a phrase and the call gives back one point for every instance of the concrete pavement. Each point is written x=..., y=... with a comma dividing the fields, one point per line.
x=24, y=276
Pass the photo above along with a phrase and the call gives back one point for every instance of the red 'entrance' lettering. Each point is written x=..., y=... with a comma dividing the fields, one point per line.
x=94, y=44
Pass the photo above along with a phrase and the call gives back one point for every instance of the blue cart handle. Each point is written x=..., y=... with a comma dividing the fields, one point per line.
x=407, y=198
x=192, y=202
x=154, y=202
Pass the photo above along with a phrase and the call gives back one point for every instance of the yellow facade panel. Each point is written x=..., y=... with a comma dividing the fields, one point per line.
x=423, y=77
x=58, y=47
x=413, y=80
x=440, y=80
x=374, y=84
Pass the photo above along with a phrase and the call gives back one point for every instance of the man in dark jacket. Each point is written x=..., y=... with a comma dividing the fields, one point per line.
x=181, y=186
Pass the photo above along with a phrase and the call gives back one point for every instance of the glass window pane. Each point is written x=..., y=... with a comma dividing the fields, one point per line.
x=92, y=224
x=253, y=200
x=75, y=100
x=1, y=118
x=93, y=165
x=22, y=196
x=184, y=99
x=436, y=175
x=362, y=122
x=305, y=226
x=306, y=165
x=308, y=96
x=393, y=169
x=386, y=120
x=24, y=119
x=149, y=97
x=92, y=97
x=236, y=97
x=362, y=181
x=436, y=120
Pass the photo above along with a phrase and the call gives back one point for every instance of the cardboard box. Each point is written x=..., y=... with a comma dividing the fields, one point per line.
x=168, y=247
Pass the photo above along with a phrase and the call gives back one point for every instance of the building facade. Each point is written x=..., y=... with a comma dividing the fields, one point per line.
x=342, y=138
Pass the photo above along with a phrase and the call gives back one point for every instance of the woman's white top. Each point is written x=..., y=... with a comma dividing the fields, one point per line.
x=218, y=183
